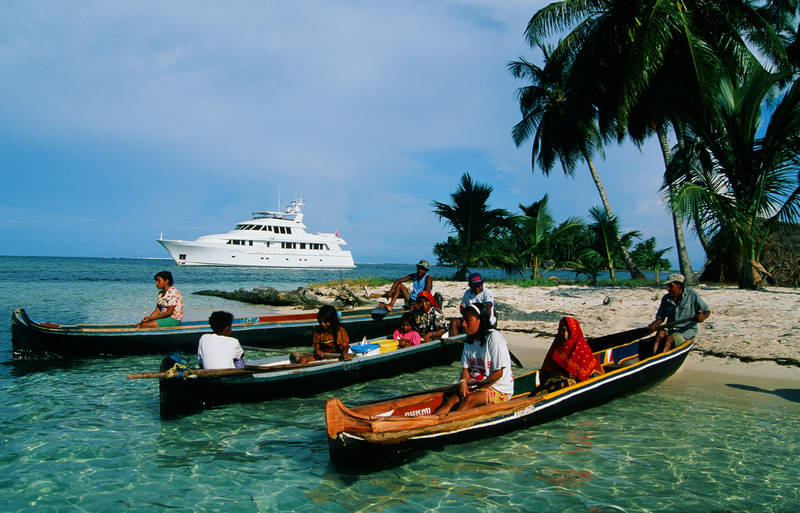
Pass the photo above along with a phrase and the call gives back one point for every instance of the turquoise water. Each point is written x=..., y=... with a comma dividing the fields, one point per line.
x=79, y=436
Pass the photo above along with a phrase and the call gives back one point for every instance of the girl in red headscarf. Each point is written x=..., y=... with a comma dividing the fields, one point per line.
x=569, y=359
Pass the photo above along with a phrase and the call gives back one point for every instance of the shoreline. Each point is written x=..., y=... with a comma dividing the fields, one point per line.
x=752, y=332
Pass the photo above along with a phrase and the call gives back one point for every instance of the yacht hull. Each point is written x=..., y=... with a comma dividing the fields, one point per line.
x=215, y=254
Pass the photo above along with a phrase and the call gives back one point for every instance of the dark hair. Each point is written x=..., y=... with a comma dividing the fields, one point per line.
x=219, y=321
x=328, y=313
x=164, y=275
x=411, y=319
x=483, y=316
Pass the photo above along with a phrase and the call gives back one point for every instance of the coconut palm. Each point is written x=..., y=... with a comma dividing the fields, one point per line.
x=471, y=219
x=750, y=177
x=561, y=130
x=608, y=242
x=624, y=45
x=536, y=229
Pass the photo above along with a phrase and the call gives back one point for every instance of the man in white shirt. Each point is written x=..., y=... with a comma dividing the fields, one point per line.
x=220, y=350
x=477, y=293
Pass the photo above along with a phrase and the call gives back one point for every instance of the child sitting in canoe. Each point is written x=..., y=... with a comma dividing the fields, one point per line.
x=220, y=350
x=407, y=334
x=329, y=337
x=486, y=376
x=569, y=359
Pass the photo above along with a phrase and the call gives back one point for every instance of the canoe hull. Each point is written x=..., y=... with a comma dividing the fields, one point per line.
x=180, y=397
x=41, y=340
x=373, y=443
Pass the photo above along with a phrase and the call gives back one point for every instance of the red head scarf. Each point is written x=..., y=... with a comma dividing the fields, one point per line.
x=573, y=354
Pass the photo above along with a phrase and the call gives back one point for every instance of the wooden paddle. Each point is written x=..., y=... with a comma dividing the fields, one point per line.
x=286, y=351
x=623, y=337
x=213, y=373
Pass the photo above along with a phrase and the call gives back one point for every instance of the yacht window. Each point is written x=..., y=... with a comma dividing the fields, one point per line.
x=269, y=228
x=302, y=245
x=263, y=228
x=228, y=242
x=251, y=243
x=239, y=227
x=289, y=230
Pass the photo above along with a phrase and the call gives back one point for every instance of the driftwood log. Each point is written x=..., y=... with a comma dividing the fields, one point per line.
x=302, y=296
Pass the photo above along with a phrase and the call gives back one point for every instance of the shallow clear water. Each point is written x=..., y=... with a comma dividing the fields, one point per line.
x=80, y=436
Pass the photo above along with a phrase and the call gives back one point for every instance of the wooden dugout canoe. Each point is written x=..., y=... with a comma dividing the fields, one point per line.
x=179, y=397
x=32, y=339
x=387, y=432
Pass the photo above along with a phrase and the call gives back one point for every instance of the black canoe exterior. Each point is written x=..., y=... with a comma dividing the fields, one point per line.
x=350, y=451
x=35, y=340
x=180, y=397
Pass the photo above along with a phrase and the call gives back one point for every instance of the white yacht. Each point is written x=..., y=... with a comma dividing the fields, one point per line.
x=269, y=239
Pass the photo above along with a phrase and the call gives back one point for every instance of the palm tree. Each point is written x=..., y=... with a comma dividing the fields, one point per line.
x=471, y=218
x=536, y=229
x=623, y=45
x=561, y=129
x=608, y=241
x=750, y=176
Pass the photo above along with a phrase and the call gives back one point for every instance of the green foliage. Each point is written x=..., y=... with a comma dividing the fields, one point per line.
x=472, y=220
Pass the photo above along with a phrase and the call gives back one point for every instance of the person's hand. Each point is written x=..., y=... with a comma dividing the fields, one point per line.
x=427, y=337
x=653, y=326
x=347, y=357
x=318, y=355
x=700, y=316
x=463, y=388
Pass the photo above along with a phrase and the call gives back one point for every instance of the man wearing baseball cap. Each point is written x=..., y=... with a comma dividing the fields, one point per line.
x=677, y=304
x=420, y=281
x=477, y=293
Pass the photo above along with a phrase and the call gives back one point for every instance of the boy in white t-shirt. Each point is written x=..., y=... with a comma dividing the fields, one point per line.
x=220, y=350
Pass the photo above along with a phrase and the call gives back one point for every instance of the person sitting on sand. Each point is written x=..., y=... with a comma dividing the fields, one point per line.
x=429, y=318
x=569, y=359
x=220, y=350
x=328, y=337
x=407, y=334
x=486, y=376
x=420, y=281
x=677, y=304
x=477, y=292
x=169, y=305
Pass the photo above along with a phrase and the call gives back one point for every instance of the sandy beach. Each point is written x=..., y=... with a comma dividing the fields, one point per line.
x=750, y=333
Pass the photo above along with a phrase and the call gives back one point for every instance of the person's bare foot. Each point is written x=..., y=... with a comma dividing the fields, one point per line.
x=388, y=307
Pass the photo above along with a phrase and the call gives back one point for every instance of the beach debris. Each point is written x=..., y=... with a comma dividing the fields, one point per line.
x=302, y=296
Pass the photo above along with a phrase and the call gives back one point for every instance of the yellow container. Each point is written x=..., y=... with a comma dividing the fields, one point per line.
x=388, y=345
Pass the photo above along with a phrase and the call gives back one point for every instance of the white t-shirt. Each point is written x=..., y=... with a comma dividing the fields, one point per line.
x=485, y=296
x=218, y=351
x=483, y=360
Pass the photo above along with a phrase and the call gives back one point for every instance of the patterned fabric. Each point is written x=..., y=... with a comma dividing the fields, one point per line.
x=325, y=341
x=432, y=321
x=494, y=397
x=572, y=355
x=172, y=297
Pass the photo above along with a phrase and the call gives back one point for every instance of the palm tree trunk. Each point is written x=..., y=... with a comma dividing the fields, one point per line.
x=636, y=274
x=680, y=132
x=677, y=224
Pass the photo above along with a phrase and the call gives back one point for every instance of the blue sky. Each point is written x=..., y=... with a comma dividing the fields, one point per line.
x=122, y=120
